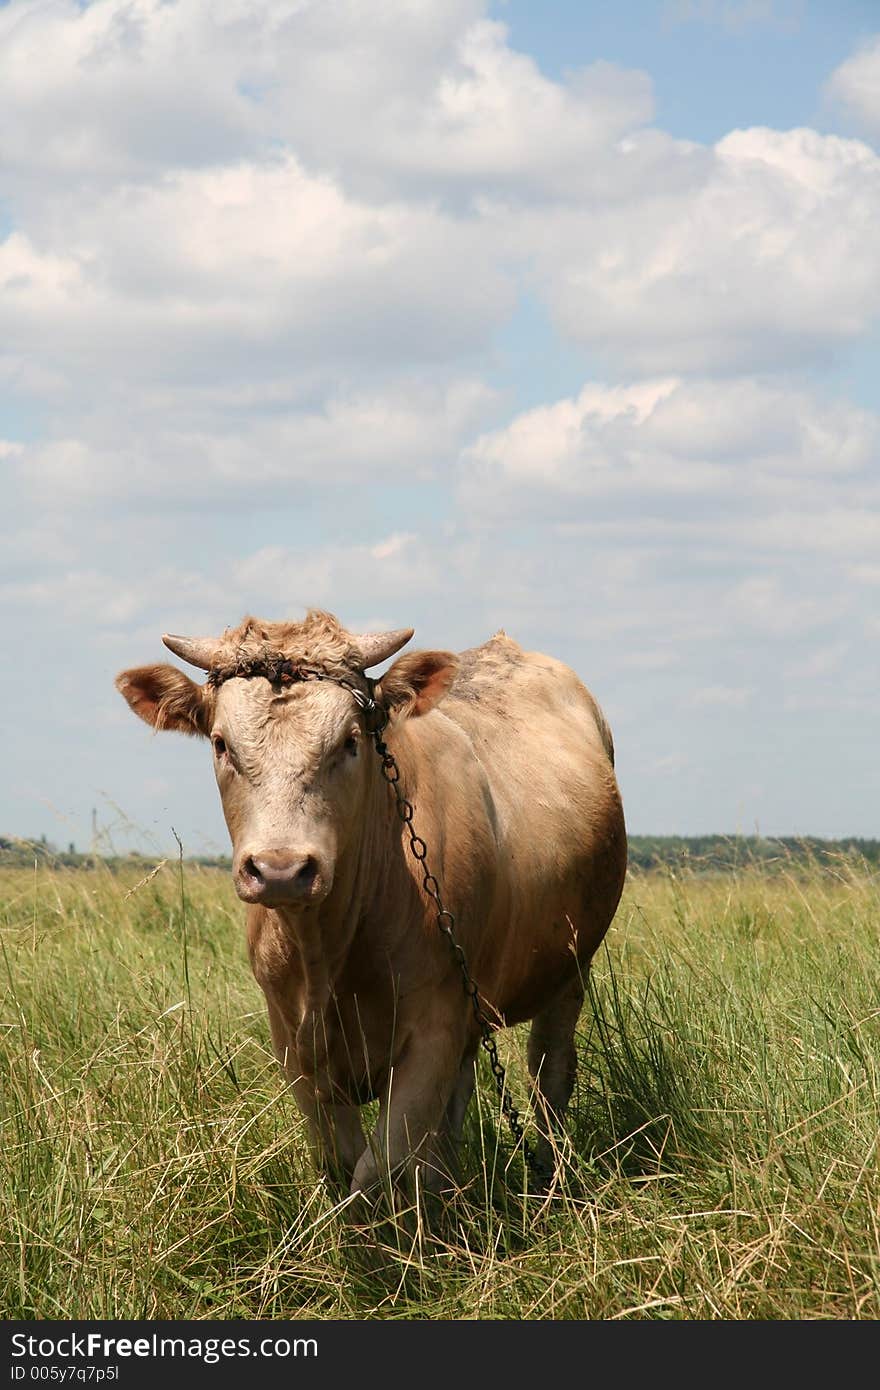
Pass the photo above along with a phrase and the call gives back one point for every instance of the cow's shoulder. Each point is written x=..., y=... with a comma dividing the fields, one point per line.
x=501, y=673
x=499, y=682
x=496, y=665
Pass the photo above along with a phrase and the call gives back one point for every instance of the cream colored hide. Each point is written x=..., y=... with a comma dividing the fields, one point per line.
x=509, y=764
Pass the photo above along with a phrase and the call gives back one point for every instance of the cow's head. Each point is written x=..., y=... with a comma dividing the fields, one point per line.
x=292, y=757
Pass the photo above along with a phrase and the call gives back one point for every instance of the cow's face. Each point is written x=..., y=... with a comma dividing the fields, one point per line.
x=293, y=764
x=292, y=768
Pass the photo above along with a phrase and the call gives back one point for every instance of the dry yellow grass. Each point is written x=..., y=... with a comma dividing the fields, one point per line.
x=722, y=1162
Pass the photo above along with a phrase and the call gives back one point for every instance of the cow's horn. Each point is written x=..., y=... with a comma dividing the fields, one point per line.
x=376, y=646
x=198, y=651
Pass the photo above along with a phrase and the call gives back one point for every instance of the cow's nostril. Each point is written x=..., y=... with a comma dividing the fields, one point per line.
x=250, y=871
x=305, y=875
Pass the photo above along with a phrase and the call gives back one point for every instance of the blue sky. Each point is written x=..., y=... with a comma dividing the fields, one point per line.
x=457, y=315
x=714, y=65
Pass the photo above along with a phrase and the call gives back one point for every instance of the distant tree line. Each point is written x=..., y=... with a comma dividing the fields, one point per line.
x=19, y=853
x=716, y=852
x=696, y=853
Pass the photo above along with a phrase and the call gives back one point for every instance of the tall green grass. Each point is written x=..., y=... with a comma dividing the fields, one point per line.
x=722, y=1156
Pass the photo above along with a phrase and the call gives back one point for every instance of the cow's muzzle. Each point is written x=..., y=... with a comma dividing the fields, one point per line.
x=284, y=877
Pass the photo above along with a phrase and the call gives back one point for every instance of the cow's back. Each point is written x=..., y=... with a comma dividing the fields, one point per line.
x=547, y=757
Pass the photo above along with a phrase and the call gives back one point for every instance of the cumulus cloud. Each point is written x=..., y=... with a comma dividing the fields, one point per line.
x=100, y=600
x=259, y=268
x=722, y=696
x=348, y=180
x=388, y=569
x=764, y=256
x=855, y=86
x=119, y=87
x=429, y=96
x=220, y=458
x=237, y=270
x=494, y=123
x=668, y=438
x=761, y=602
x=822, y=661
x=865, y=574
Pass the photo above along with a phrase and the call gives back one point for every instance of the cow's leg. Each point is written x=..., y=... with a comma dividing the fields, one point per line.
x=442, y=1158
x=553, y=1063
x=412, y=1109
x=338, y=1140
x=460, y=1099
x=336, y=1135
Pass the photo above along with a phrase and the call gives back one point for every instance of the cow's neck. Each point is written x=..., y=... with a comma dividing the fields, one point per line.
x=358, y=923
x=370, y=875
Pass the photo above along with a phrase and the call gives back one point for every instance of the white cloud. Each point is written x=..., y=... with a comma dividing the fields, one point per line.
x=99, y=600
x=492, y=122
x=113, y=87
x=398, y=569
x=383, y=95
x=409, y=432
x=865, y=574
x=764, y=603
x=671, y=763
x=121, y=88
x=823, y=660
x=725, y=440
x=312, y=185
x=722, y=696
x=218, y=272
x=23, y=376
x=855, y=86
x=758, y=257
x=839, y=525
x=259, y=265
x=41, y=545
x=392, y=546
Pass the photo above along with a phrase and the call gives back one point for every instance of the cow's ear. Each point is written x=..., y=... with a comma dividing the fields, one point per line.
x=415, y=682
x=167, y=699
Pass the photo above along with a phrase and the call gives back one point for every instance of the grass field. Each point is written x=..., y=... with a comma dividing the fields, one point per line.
x=723, y=1160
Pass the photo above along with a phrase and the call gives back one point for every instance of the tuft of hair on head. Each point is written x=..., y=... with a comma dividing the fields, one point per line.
x=319, y=640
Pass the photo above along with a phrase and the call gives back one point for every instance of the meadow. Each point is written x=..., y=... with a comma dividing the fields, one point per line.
x=722, y=1158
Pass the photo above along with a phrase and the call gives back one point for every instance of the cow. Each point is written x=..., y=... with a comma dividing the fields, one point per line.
x=508, y=764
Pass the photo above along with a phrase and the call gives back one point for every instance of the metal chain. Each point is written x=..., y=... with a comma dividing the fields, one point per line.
x=446, y=923
x=279, y=668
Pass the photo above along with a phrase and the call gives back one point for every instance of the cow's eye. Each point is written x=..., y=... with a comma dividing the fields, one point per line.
x=219, y=746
